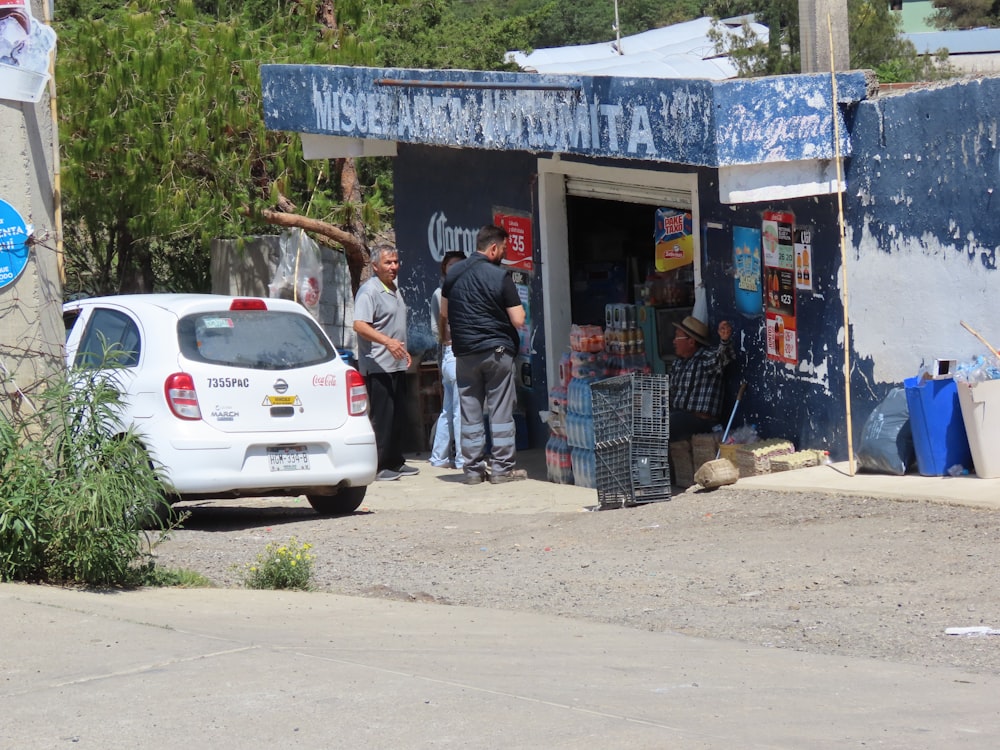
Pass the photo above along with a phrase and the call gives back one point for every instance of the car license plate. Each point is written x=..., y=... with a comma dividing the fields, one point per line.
x=288, y=458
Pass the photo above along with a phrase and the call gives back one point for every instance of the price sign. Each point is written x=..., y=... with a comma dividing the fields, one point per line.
x=520, y=251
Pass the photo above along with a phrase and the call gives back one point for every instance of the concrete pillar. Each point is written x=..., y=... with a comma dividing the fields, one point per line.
x=816, y=17
x=31, y=329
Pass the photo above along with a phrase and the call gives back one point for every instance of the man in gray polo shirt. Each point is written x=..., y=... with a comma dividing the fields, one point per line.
x=380, y=322
x=482, y=306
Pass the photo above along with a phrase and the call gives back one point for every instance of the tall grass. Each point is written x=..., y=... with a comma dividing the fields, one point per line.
x=76, y=492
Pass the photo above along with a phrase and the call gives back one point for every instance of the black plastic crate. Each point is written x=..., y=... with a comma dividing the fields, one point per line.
x=612, y=405
x=614, y=479
x=651, y=407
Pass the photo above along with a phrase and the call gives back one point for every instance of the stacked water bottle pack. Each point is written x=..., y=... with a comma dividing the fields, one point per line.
x=589, y=363
x=580, y=431
x=557, y=452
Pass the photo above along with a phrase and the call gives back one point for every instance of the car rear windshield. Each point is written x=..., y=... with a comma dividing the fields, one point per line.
x=255, y=339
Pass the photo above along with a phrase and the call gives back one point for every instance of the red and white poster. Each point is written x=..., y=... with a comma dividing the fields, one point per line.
x=520, y=252
x=779, y=285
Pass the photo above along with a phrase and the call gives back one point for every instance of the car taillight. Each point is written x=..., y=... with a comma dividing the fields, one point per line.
x=248, y=304
x=357, y=394
x=181, y=396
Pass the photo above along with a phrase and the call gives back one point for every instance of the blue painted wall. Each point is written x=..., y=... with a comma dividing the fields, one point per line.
x=923, y=231
x=803, y=403
x=443, y=197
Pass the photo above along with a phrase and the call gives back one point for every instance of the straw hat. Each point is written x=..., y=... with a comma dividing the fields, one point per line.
x=695, y=329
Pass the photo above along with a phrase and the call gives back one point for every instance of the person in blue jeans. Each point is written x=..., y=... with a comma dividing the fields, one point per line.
x=449, y=422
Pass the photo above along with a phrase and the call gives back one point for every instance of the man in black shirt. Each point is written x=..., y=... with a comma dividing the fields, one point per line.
x=481, y=304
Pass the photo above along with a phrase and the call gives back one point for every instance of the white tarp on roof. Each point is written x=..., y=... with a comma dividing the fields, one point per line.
x=679, y=51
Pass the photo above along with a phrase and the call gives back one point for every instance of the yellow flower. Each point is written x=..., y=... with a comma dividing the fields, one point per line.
x=293, y=563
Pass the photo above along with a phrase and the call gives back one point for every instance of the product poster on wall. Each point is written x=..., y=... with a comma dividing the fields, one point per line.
x=519, y=247
x=673, y=239
x=746, y=262
x=803, y=258
x=779, y=285
x=523, y=286
x=14, y=234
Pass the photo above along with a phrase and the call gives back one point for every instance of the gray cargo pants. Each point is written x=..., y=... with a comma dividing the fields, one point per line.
x=486, y=381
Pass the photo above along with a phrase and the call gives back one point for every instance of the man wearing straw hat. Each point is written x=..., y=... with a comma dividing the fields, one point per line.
x=696, y=377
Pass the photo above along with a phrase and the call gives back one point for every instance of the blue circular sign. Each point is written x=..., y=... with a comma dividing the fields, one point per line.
x=14, y=235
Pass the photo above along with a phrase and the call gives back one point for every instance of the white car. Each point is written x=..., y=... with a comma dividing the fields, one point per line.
x=232, y=396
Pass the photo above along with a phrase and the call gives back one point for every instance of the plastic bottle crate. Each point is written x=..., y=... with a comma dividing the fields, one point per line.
x=612, y=461
x=651, y=406
x=611, y=401
x=650, y=479
x=653, y=447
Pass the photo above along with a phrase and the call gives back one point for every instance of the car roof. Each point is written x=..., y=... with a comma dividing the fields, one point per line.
x=181, y=304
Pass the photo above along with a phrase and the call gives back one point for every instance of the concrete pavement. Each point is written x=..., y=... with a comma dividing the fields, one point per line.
x=227, y=669
x=536, y=495
x=232, y=669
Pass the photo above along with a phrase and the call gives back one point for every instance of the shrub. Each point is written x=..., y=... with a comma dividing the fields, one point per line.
x=77, y=491
x=287, y=566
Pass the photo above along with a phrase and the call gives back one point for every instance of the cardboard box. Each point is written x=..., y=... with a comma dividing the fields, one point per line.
x=980, y=403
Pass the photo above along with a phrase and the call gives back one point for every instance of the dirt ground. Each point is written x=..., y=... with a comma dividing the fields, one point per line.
x=819, y=573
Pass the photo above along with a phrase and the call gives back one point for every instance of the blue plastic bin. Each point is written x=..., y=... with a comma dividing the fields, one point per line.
x=939, y=436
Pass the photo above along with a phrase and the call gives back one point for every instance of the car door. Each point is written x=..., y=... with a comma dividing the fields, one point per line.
x=109, y=340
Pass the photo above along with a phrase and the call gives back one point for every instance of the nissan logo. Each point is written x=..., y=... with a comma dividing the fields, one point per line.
x=280, y=386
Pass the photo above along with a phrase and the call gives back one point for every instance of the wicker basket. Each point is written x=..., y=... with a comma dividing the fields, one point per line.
x=680, y=457
x=753, y=459
x=728, y=451
x=797, y=460
x=703, y=448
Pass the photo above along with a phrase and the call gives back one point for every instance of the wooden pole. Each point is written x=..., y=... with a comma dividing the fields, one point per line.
x=843, y=257
x=986, y=343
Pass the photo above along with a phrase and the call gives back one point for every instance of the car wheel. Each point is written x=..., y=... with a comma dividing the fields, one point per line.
x=344, y=502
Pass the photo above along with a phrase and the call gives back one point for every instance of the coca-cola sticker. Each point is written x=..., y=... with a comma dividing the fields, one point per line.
x=325, y=381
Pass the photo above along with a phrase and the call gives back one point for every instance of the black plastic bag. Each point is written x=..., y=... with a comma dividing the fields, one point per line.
x=887, y=440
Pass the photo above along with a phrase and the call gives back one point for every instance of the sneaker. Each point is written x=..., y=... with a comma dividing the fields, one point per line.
x=387, y=475
x=405, y=470
x=515, y=475
x=474, y=478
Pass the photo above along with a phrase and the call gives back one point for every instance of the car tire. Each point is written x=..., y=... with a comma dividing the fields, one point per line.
x=343, y=503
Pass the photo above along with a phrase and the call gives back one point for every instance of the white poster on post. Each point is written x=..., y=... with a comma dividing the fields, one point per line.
x=26, y=47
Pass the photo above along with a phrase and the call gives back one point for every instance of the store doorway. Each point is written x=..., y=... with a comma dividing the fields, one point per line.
x=618, y=198
x=613, y=260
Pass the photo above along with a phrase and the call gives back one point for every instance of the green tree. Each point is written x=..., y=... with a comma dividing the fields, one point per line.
x=164, y=145
x=873, y=30
x=965, y=14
